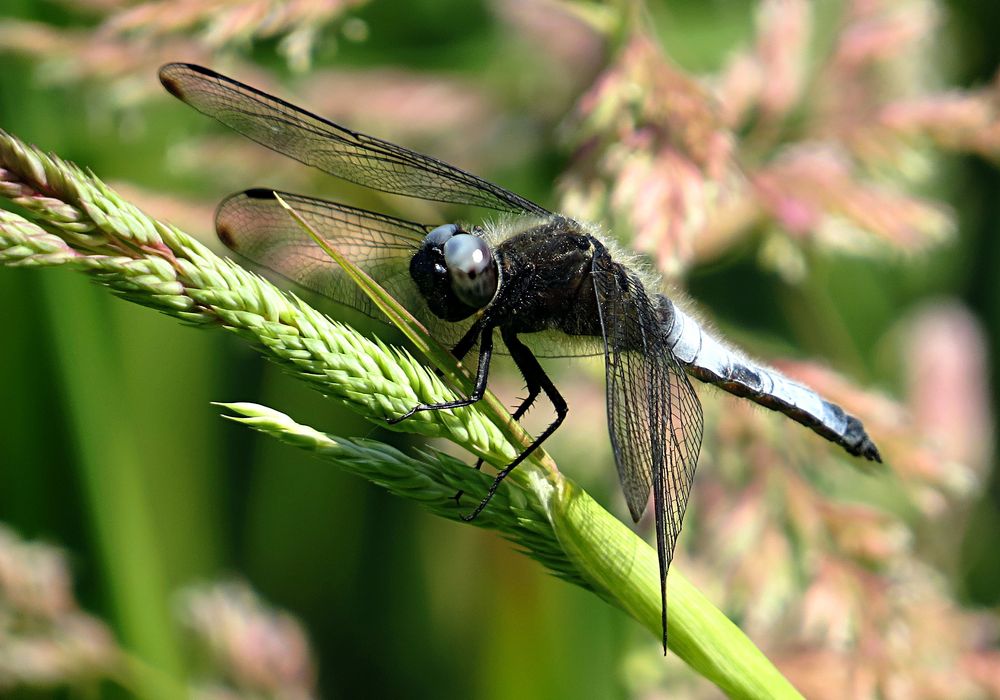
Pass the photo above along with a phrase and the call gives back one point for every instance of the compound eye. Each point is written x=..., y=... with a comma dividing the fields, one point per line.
x=441, y=234
x=472, y=269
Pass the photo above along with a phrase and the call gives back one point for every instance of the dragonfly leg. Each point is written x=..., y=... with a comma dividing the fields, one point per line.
x=534, y=376
x=485, y=354
x=463, y=346
x=460, y=350
x=534, y=390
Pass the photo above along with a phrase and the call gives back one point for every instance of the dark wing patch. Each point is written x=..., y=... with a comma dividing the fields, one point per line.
x=654, y=416
x=350, y=155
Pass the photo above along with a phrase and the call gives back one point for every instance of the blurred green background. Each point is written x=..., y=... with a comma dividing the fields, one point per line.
x=109, y=444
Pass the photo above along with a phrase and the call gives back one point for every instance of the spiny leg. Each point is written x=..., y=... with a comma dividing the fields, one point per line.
x=460, y=350
x=485, y=354
x=533, y=375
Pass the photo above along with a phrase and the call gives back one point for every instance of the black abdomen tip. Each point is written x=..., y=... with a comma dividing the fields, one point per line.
x=857, y=442
x=870, y=451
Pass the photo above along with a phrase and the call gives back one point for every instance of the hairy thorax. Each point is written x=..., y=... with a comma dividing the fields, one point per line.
x=546, y=280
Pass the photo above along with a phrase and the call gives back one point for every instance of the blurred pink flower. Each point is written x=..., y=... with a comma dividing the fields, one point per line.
x=44, y=639
x=768, y=79
x=34, y=578
x=825, y=153
x=811, y=190
x=946, y=361
x=254, y=648
x=133, y=39
x=966, y=121
x=225, y=22
x=655, y=154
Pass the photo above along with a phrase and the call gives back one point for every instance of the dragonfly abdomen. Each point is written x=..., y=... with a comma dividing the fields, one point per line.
x=711, y=361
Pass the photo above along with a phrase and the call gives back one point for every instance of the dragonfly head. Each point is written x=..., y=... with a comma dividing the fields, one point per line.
x=455, y=272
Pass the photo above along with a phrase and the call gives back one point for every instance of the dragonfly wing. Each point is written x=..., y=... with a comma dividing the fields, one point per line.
x=654, y=416
x=553, y=343
x=254, y=225
x=350, y=155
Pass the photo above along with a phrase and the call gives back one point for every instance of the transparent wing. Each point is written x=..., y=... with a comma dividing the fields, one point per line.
x=347, y=154
x=254, y=225
x=558, y=344
x=654, y=416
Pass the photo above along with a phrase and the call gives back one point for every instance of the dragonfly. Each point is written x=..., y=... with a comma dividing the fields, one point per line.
x=546, y=284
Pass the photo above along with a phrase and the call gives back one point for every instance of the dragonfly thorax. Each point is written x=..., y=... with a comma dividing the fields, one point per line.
x=455, y=272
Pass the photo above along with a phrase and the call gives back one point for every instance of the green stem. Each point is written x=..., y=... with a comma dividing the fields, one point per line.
x=620, y=563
